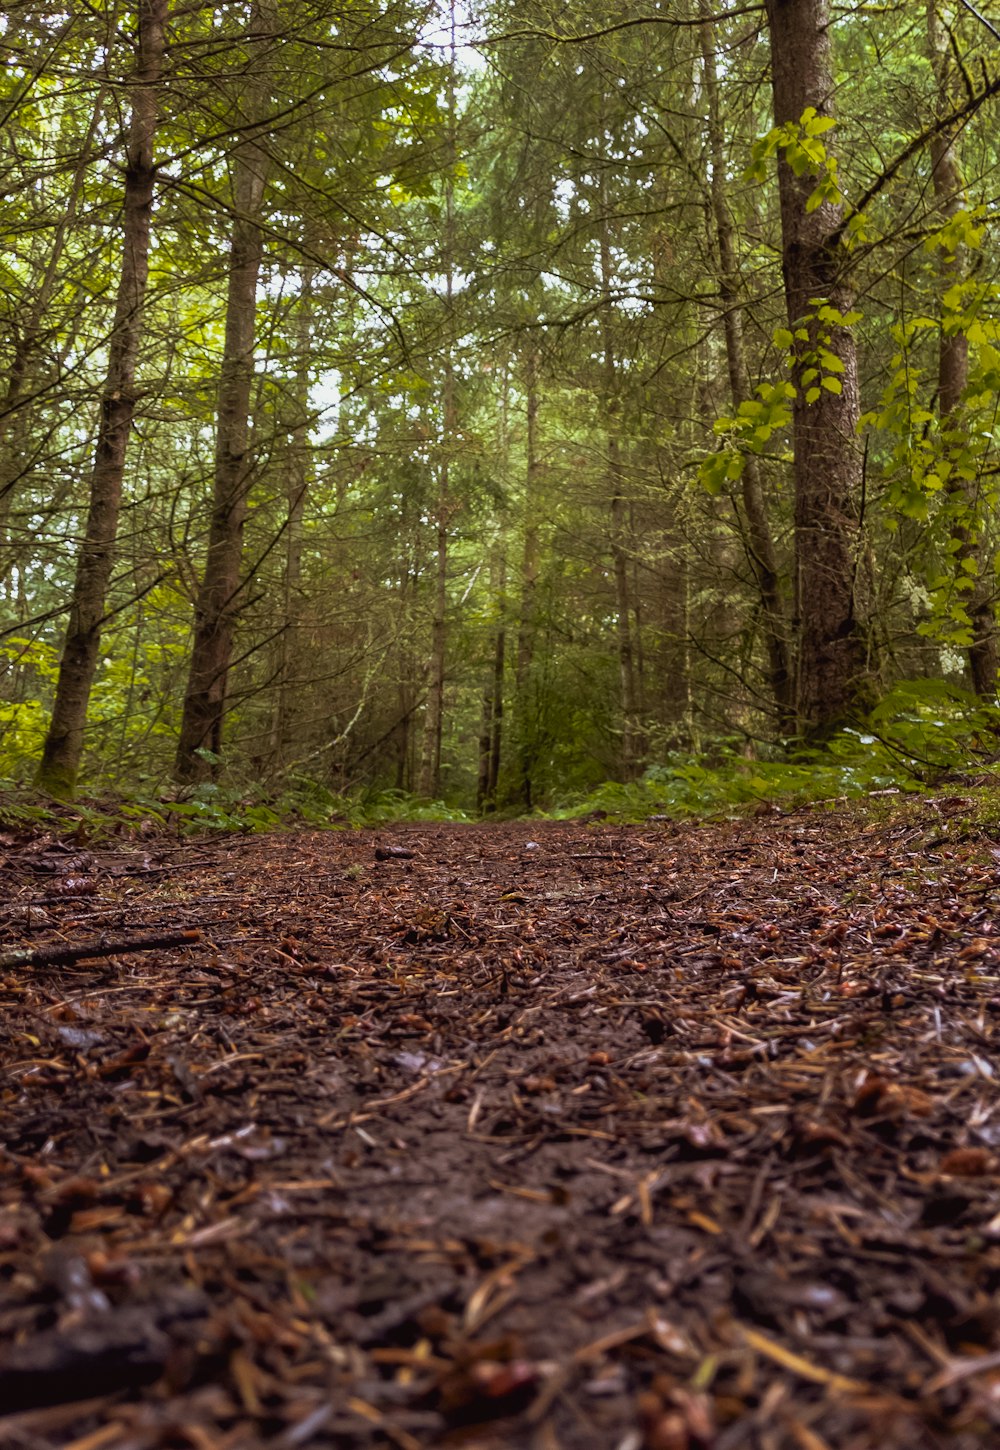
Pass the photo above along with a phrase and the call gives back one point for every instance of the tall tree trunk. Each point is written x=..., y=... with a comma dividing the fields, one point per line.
x=429, y=783
x=296, y=489
x=527, y=624
x=490, y=733
x=219, y=599
x=827, y=469
x=759, y=541
x=430, y=762
x=619, y=515
x=63, y=749
x=953, y=378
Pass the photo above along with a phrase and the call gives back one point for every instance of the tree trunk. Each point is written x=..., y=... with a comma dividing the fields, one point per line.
x=296, y=489
x=63, y=749
x=827, y=469
x=219, y=600
x=953, y=378
x=430, y=761
x=429, y=783
x=619, y=513
x=490, y=734
x=759, y=541
x=527, y=624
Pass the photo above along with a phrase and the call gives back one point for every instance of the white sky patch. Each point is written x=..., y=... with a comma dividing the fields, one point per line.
x=436, y=34
x=324, y=399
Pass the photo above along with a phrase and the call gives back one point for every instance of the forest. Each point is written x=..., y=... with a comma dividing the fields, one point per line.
x=497, y=405
x=499, y=768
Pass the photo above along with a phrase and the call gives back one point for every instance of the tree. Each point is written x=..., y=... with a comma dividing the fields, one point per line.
x=63, y=749
x=220, y=593
x=759, y=539
x=953, y=376
x=833, y=658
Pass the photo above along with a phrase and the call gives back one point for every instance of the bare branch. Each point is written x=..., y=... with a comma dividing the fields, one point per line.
x=677, y=23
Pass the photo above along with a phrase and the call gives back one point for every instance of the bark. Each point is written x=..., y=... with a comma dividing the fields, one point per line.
x=429, y=783
x=63, y=748
x=527, y=625
x=491, y=728
x=827, y=470
x=953, y=378
x=220, y=594
x=618, y=510
x=759, y=540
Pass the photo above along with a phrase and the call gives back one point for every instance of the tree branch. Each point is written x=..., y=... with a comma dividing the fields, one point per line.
x=973, y=11
x=678, y=24
x=961, y=113
x=102, y=947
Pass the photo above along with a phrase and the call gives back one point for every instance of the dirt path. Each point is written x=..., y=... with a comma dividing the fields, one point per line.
x=560, y=1137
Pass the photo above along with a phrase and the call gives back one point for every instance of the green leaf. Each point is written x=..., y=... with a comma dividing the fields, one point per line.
x=819, y=125
x=833, y=385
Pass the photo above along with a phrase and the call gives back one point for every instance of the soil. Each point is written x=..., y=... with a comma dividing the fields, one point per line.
x=564, y=1137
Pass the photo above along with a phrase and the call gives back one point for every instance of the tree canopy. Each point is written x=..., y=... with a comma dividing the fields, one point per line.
x=487, y=401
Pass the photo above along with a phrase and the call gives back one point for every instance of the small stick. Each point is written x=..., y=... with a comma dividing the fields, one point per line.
x=102, y=947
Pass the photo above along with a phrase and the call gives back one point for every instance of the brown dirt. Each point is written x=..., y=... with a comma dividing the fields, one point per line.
x=547, y=1136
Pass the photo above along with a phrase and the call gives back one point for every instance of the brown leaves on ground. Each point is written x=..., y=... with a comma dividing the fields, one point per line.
x=561, y=1137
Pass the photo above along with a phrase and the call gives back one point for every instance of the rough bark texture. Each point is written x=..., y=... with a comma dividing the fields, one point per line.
x=220, y=595
x=953, y=378
x=759, y=541
x=828, y=471
x=63, y=747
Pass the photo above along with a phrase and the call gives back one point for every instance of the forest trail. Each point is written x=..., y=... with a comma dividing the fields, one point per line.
x=560, y=1136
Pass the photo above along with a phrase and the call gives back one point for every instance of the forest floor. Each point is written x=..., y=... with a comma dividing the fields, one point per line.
x=554, y=1136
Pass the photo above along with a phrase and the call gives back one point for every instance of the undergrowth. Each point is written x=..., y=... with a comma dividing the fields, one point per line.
x=921, y=735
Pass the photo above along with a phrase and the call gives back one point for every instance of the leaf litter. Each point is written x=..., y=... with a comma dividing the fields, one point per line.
x=672, y=1137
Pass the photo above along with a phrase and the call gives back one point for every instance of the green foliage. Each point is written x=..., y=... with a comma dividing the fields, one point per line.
x=749, y=432
x=573, y=232
x=811, y=361
x=382, y=807
x=799, y=145
x=211, y=808
x=26, y=666
x=921, y=730
x=929, y=727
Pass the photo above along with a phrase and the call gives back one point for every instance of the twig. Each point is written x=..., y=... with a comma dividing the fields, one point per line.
x=103, y=947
